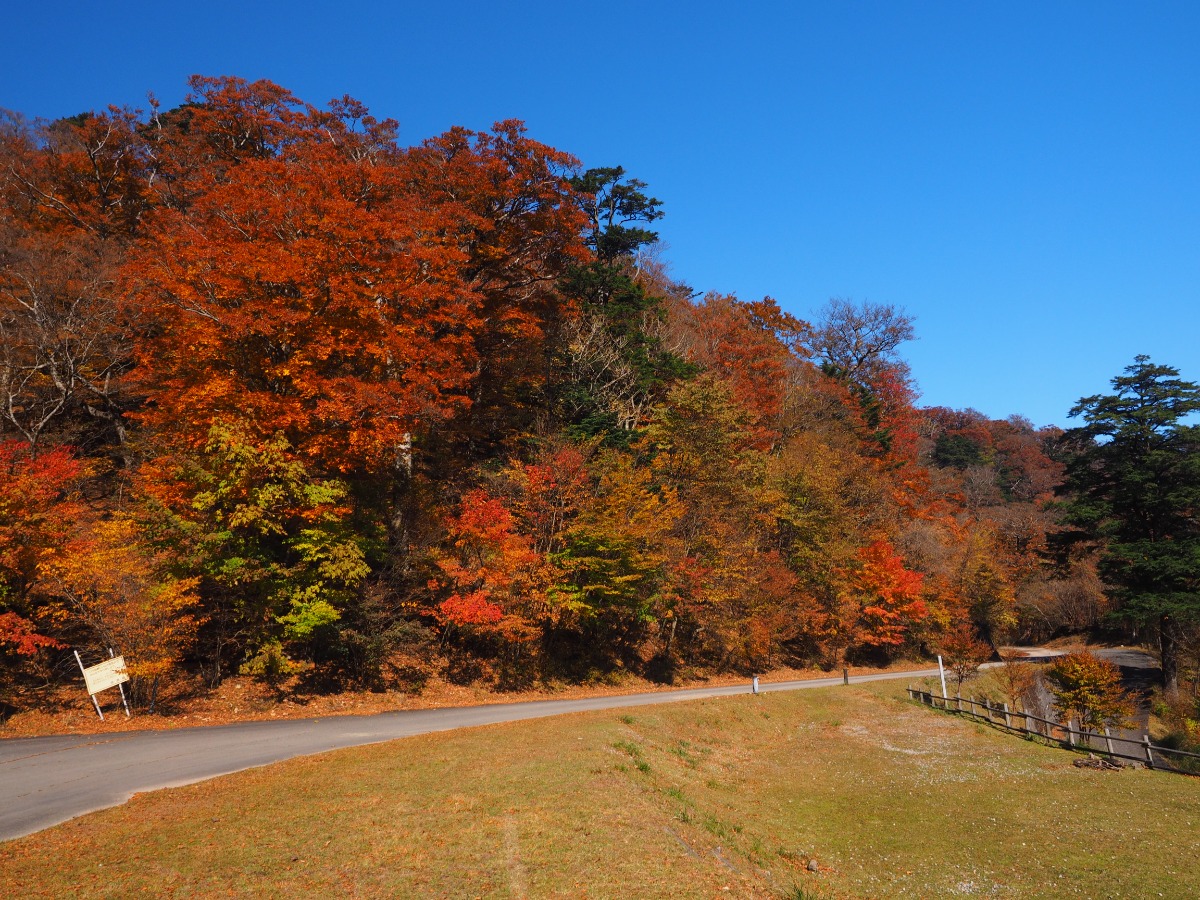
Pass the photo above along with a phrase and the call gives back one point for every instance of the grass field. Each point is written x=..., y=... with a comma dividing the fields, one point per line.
x=732, y=797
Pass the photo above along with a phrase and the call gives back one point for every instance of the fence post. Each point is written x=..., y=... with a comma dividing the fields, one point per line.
x=1030, y=725
x=1149, y=751
x=971, y=701
x=1070, y=734
x=958, y=700
x=1007, y=717
x=845, y=675
x=1108, y=740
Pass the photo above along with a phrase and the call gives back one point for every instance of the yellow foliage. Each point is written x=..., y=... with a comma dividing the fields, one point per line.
x=120, y=587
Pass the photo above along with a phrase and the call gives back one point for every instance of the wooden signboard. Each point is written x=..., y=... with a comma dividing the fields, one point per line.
x=102, y=676
x=105, y=675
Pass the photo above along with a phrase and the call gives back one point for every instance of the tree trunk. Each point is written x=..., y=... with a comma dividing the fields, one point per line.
x=1168, y=641
x=670, y=637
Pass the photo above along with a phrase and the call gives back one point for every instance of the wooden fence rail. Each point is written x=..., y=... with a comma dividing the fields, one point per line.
x=1138, y=750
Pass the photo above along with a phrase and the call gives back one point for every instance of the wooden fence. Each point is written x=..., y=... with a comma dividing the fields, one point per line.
x=1136, y=750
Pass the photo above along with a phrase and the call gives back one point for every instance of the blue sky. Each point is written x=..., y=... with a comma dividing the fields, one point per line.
x=1023, y=178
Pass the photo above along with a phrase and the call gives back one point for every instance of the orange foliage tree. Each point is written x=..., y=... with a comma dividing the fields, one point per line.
x=495, y=581
x=123, y=590
x=963, y=650
x=72, y=195
x=518, y=221
x=36, y=509
x=305, y=296
x=755, y=348
x=887, y=597
x=549, y=493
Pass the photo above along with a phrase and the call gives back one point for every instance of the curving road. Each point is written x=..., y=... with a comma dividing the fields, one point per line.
x=1125, y=657
x=47, y=780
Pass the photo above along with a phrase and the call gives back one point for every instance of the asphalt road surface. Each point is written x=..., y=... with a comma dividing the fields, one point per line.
x=1125, y=657
x=47, y=780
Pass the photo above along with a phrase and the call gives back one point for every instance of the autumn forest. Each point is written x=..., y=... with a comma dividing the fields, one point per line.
x=282, y=396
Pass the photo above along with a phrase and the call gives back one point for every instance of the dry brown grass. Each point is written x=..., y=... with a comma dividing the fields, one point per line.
x=716, y=798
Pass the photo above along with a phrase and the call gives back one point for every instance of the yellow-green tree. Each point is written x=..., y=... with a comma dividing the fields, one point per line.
x=1089, y=689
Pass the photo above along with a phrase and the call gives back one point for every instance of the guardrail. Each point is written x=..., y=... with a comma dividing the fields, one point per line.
x=1066, y=733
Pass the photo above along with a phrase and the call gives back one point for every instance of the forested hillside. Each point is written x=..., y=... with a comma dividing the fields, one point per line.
x=282, y=394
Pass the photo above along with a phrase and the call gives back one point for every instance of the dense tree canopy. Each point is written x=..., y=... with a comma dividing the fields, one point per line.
x=281, y=395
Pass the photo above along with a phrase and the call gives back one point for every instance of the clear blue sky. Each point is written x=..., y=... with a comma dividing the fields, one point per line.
x=1024, y=178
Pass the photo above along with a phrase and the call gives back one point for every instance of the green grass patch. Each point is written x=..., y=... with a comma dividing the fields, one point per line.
x=635, y=754
x=883, y=798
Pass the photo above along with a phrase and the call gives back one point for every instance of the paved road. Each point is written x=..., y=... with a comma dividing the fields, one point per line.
x=47, y=780
x=1125, y=657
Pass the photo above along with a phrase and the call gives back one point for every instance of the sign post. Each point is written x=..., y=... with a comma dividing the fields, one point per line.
x=102, y=676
